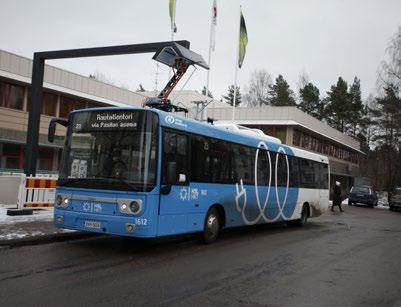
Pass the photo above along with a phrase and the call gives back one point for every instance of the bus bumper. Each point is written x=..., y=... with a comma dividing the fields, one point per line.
x=140, y=227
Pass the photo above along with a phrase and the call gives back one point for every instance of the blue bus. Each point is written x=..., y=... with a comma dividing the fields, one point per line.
x=147, y=173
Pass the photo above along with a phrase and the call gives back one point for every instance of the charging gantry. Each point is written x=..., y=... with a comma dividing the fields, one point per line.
x=175, y=54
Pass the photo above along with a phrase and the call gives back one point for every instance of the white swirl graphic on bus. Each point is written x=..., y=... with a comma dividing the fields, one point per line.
x=241, y=198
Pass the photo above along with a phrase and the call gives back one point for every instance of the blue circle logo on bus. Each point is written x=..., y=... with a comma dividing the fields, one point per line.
x=169, y=119
x=269, y=207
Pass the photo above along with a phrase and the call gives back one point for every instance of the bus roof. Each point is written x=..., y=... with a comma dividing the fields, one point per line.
x=175, y=121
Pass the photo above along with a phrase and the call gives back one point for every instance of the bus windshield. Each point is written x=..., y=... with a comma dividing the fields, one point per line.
x=110, y=149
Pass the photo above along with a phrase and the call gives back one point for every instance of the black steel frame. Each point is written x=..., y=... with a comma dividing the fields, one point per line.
x=35, y=102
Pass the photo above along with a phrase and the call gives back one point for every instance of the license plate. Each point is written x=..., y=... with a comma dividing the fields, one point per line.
x=92, y=224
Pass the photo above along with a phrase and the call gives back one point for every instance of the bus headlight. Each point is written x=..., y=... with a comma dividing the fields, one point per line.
x=135, y=207
x=132, y=207
x=62, y=202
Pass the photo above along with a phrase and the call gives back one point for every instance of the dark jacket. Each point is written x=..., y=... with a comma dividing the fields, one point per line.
x=337, y=196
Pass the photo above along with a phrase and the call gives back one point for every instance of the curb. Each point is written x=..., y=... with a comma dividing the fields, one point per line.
x=45, y=239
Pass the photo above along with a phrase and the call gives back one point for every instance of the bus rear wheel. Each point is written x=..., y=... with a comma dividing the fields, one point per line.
x=303, y=220
x=212, y=226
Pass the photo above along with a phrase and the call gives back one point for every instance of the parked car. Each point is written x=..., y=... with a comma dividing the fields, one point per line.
x=362, y=195
x=395, y=199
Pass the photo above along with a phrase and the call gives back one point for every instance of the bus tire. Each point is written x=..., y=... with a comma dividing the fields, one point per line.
x=303, y=220
x=212, y=226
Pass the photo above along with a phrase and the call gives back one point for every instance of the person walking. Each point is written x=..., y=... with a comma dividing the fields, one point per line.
x=337, y=196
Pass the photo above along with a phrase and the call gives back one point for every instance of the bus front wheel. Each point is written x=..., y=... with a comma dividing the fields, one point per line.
x=212, y=226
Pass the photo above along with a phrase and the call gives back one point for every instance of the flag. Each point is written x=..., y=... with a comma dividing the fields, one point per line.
x=172, y=15
x=243, y=41
x=214, y=23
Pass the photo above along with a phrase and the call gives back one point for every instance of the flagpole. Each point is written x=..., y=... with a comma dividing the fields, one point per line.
x=212, y=25
x=173, y=22
x=172, y=33
x=236, y=66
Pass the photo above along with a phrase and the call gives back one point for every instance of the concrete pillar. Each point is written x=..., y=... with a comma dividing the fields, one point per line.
x=289, y=135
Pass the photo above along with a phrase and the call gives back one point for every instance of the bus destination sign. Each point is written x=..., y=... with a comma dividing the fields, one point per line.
x=105, y=120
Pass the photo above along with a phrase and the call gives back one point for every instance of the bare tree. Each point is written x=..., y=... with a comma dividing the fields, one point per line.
x=390, y=71
x=257, y=92
x=101, y=77
x=303, y=80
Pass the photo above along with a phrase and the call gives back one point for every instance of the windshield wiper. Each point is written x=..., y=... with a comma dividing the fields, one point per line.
x=130, y=185
x=67, y=181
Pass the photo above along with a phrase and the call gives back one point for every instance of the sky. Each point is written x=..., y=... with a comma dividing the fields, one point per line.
x=323, y=39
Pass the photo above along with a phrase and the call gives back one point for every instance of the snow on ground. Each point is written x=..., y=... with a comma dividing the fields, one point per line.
x=38, y=215
x=40, y=223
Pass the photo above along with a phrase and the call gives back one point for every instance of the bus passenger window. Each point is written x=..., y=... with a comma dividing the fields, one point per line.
x=175, y=150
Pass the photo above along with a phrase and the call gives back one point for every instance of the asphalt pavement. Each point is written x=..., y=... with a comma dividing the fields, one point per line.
x=339, y=259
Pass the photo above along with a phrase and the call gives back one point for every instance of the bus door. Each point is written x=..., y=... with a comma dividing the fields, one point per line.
x=324, y=190
x=174, y=182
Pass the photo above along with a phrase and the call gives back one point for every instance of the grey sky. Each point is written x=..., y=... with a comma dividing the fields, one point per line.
x=324, y=38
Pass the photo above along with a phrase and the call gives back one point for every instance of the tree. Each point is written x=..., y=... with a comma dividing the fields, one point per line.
x=338, y=105
x=310, y=101
x=388, y=118
x=140, y=88
x=280, y=94
x=258, y=91
x=230, y=96
x=101, y=77
x=390, y=73
x=209, y=94
x=357, y=109
x=388, y=121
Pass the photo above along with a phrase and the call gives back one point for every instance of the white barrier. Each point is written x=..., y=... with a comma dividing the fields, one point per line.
x=27, y=192
x=11, y=187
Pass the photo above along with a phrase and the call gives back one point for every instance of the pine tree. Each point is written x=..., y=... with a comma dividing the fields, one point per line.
x=388, y=118
x=209, y=94
x=280, y=94
x=310, y=101
x=338, y=105
x=230, y=96
x=357, y=109
x=388, y=121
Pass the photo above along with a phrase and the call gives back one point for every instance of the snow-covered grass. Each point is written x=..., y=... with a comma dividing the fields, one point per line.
x=38, y=215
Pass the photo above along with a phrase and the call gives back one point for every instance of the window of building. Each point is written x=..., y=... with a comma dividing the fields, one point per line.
x=45, y=159
x=49, y=104
x=296, y=140
x=11, y=96
x=11, y=156
x=67, y=105
x=281, y=133
x=96, y=104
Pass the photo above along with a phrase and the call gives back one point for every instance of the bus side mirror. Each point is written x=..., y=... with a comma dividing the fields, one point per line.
x=52, y=127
